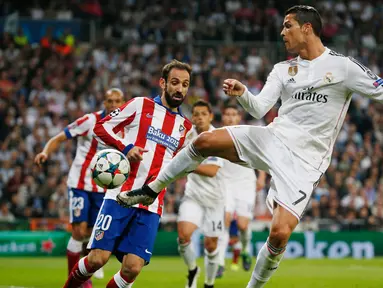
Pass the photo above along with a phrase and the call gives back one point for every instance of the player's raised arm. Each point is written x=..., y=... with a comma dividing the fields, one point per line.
x=77, y=128
x=260, y=104
x=362, y=80
x=106, y=130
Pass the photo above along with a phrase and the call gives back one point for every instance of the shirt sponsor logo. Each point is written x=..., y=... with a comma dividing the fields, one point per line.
x=161, y=138
x=308, y=95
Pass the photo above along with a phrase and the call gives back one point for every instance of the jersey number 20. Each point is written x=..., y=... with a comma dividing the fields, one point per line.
x=103, y=222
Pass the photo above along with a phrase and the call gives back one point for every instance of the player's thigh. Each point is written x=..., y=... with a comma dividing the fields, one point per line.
x=228, y=217
x=96, y=200
x=217, y=143
x=213, y=222
x=79, y=204
x=139, y=237
x=292, y=184
x=111, y=221
x=254, y=145
x=190, y=211
x=80, y=231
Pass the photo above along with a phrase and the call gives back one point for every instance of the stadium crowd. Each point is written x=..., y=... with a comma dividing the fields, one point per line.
x=44, y=87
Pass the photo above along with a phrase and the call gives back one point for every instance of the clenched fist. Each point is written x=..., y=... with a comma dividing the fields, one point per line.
x=233, y=87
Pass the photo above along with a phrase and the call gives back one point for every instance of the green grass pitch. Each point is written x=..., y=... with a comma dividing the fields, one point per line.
x=171, y=272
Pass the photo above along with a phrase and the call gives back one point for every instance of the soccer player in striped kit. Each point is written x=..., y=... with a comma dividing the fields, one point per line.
x=155, y=131
x=85, y=197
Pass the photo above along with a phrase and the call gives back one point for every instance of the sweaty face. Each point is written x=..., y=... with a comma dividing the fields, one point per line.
x=113, y=100
x=201, y=118
x=293, y=34
x=176, y=88
x=231, y=117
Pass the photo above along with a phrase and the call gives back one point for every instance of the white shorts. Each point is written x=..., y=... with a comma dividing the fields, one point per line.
x=293, y=179
x=240, y=200
x=209, y=220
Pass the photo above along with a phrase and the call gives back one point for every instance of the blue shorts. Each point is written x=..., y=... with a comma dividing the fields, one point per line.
x=84, y=206
x=125, y=231
x=233, y=229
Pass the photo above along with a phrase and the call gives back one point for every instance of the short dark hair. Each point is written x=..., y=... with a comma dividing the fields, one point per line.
x=175, y=64
x=307, y=14
x=202, y=103
x=230, y=106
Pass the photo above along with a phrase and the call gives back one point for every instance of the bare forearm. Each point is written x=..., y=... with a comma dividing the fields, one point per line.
x=54, y=143
x=206, y=170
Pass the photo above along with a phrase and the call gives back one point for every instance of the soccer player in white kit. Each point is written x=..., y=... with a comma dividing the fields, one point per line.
x=202, y=205
x=315, y=89
x=240, y=187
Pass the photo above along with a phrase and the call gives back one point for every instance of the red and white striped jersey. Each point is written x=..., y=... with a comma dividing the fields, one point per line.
x=87, y=146
x=152, y=126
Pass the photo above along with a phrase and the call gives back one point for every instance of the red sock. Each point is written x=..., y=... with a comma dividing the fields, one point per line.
x=80, y=273
x=120, y=281
x=236, y=253
x=72, y=258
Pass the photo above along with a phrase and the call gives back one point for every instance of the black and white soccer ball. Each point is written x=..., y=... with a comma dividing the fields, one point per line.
x=110, y=168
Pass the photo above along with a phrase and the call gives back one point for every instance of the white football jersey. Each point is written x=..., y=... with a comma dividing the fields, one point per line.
x=315, y=97
x=238, y=178
x=207, y=191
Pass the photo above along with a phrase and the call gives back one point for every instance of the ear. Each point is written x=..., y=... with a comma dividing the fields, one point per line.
x=162, y=83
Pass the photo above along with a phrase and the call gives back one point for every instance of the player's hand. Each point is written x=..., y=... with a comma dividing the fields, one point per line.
x=233, y=87
x=41, y=158
x=135, y=154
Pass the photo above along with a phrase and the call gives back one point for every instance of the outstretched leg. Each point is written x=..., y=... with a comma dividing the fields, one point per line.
x=217, y=143
x=271, y=253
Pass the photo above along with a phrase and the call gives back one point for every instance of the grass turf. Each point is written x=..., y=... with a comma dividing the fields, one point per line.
x=171, y=272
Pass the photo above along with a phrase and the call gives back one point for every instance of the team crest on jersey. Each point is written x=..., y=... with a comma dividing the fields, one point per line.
x=293, y=70
x=182, y=130
x=77, y=212
x=328, y=78
x=98, y=235
x=378, y=83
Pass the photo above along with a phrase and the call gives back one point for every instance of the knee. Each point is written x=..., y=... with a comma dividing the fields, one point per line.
x=242, y=226
x=132, y=268
x=98, y=258
x=279, y=235
x=183, y=237
x=211, y=244
x=79, y=233
x=204, y=143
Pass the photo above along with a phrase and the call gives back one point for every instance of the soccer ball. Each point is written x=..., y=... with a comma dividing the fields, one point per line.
x=110, y=168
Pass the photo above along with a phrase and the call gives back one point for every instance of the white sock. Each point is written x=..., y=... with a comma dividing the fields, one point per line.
x=267, y=263
x=223, y=242
x=237, y=246
x=121, y=282
x=211, y=266
x=183, y=163
x=74, y=246
x=245, y=238
x=187, y=253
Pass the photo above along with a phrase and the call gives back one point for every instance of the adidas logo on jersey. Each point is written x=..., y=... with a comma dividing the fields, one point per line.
x=291, y=80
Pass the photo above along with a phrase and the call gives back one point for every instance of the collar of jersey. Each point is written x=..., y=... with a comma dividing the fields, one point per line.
x=103, y=114
x=157, y=100
x=324, y=54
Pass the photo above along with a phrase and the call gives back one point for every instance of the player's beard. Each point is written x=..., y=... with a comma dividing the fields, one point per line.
x=174, y=102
